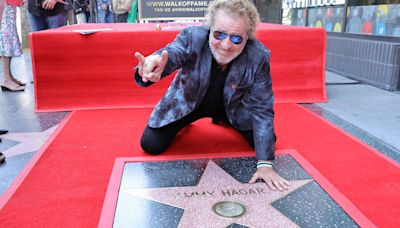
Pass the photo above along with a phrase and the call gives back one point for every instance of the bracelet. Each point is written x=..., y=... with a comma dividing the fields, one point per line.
x=264, y=164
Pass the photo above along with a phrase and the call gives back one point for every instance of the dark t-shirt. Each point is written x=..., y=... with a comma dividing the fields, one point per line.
x=213, y=101
x=35, y=8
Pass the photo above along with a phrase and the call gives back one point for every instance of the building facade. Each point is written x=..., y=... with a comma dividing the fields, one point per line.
x=363, y=36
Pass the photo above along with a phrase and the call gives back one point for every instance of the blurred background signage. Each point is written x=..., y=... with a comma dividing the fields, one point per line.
x=172, y=10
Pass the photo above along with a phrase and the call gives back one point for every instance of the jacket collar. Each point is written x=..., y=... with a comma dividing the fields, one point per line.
x=235, y=75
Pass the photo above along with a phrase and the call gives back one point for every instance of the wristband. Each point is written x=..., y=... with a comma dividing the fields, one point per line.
x=265, y=164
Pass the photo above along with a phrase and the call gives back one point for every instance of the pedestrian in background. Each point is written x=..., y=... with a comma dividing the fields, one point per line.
x=104, y=14
x=121, y=9
x=10, y=45
x=46, y=14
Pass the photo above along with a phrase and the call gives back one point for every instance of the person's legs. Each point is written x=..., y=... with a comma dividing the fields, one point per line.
x=9, y=47
x=248, y=135
x=9, y=83
x=57, y=20
x=121, y=18
x=157, y=140
x=109, y=16
x=7, y=78
x=70, y=17
x=101, y=14
x=37, y=23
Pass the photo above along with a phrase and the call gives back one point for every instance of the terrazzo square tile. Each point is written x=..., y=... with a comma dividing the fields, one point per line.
x=214, y=192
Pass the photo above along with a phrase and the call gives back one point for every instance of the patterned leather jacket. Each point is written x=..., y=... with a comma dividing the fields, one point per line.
x=248, y=97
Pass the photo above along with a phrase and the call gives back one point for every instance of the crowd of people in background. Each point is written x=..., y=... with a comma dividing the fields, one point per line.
x=104, y=11
x=46, y=14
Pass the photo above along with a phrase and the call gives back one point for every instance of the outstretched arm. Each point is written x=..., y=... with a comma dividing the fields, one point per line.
x=263, y=128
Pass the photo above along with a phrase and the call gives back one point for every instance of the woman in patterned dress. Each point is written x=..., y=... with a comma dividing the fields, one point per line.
x=10, y=47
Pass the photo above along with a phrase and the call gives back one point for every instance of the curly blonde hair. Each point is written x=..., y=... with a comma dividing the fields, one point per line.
x=242, y=8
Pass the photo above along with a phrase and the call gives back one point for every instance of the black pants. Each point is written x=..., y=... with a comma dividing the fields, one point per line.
x=157, y=140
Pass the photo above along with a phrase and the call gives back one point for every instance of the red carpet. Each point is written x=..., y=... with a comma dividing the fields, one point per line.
x=363, y=175
x=67, y=185
x=96, y=71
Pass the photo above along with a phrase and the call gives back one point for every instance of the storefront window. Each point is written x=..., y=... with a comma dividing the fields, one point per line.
x=381, y=20
x=371, y=17
x=298, y=17
x=330, y=18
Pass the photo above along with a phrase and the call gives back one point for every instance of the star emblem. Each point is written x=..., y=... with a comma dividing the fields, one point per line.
x=215, y=186
x=29, y=141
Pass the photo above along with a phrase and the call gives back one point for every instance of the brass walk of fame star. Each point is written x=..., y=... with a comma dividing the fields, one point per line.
x=216, y=185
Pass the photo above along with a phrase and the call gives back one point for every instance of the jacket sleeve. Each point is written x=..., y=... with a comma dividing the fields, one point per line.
x=262, y=111
x=177, y=55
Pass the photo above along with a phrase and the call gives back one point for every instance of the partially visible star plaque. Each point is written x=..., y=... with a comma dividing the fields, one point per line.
x=216, y=185
x=215, y=193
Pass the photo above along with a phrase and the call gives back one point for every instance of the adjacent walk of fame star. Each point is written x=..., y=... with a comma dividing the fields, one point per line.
x=28, y=141
x=215, y=186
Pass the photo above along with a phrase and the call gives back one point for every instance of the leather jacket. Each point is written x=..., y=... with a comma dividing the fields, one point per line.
x=248, y=97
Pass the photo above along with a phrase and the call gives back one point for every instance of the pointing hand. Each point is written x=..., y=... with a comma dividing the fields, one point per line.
x=152, y=66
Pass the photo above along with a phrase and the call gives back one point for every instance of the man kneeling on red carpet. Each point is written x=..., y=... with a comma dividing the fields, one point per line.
x=224, y=73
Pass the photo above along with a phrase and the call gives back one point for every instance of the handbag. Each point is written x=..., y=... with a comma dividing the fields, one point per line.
x=14, y=2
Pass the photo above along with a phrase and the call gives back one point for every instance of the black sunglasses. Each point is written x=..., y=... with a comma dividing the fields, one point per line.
x=236, y=39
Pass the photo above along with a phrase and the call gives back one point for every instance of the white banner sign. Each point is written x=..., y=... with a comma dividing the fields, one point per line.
x=310, y=3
